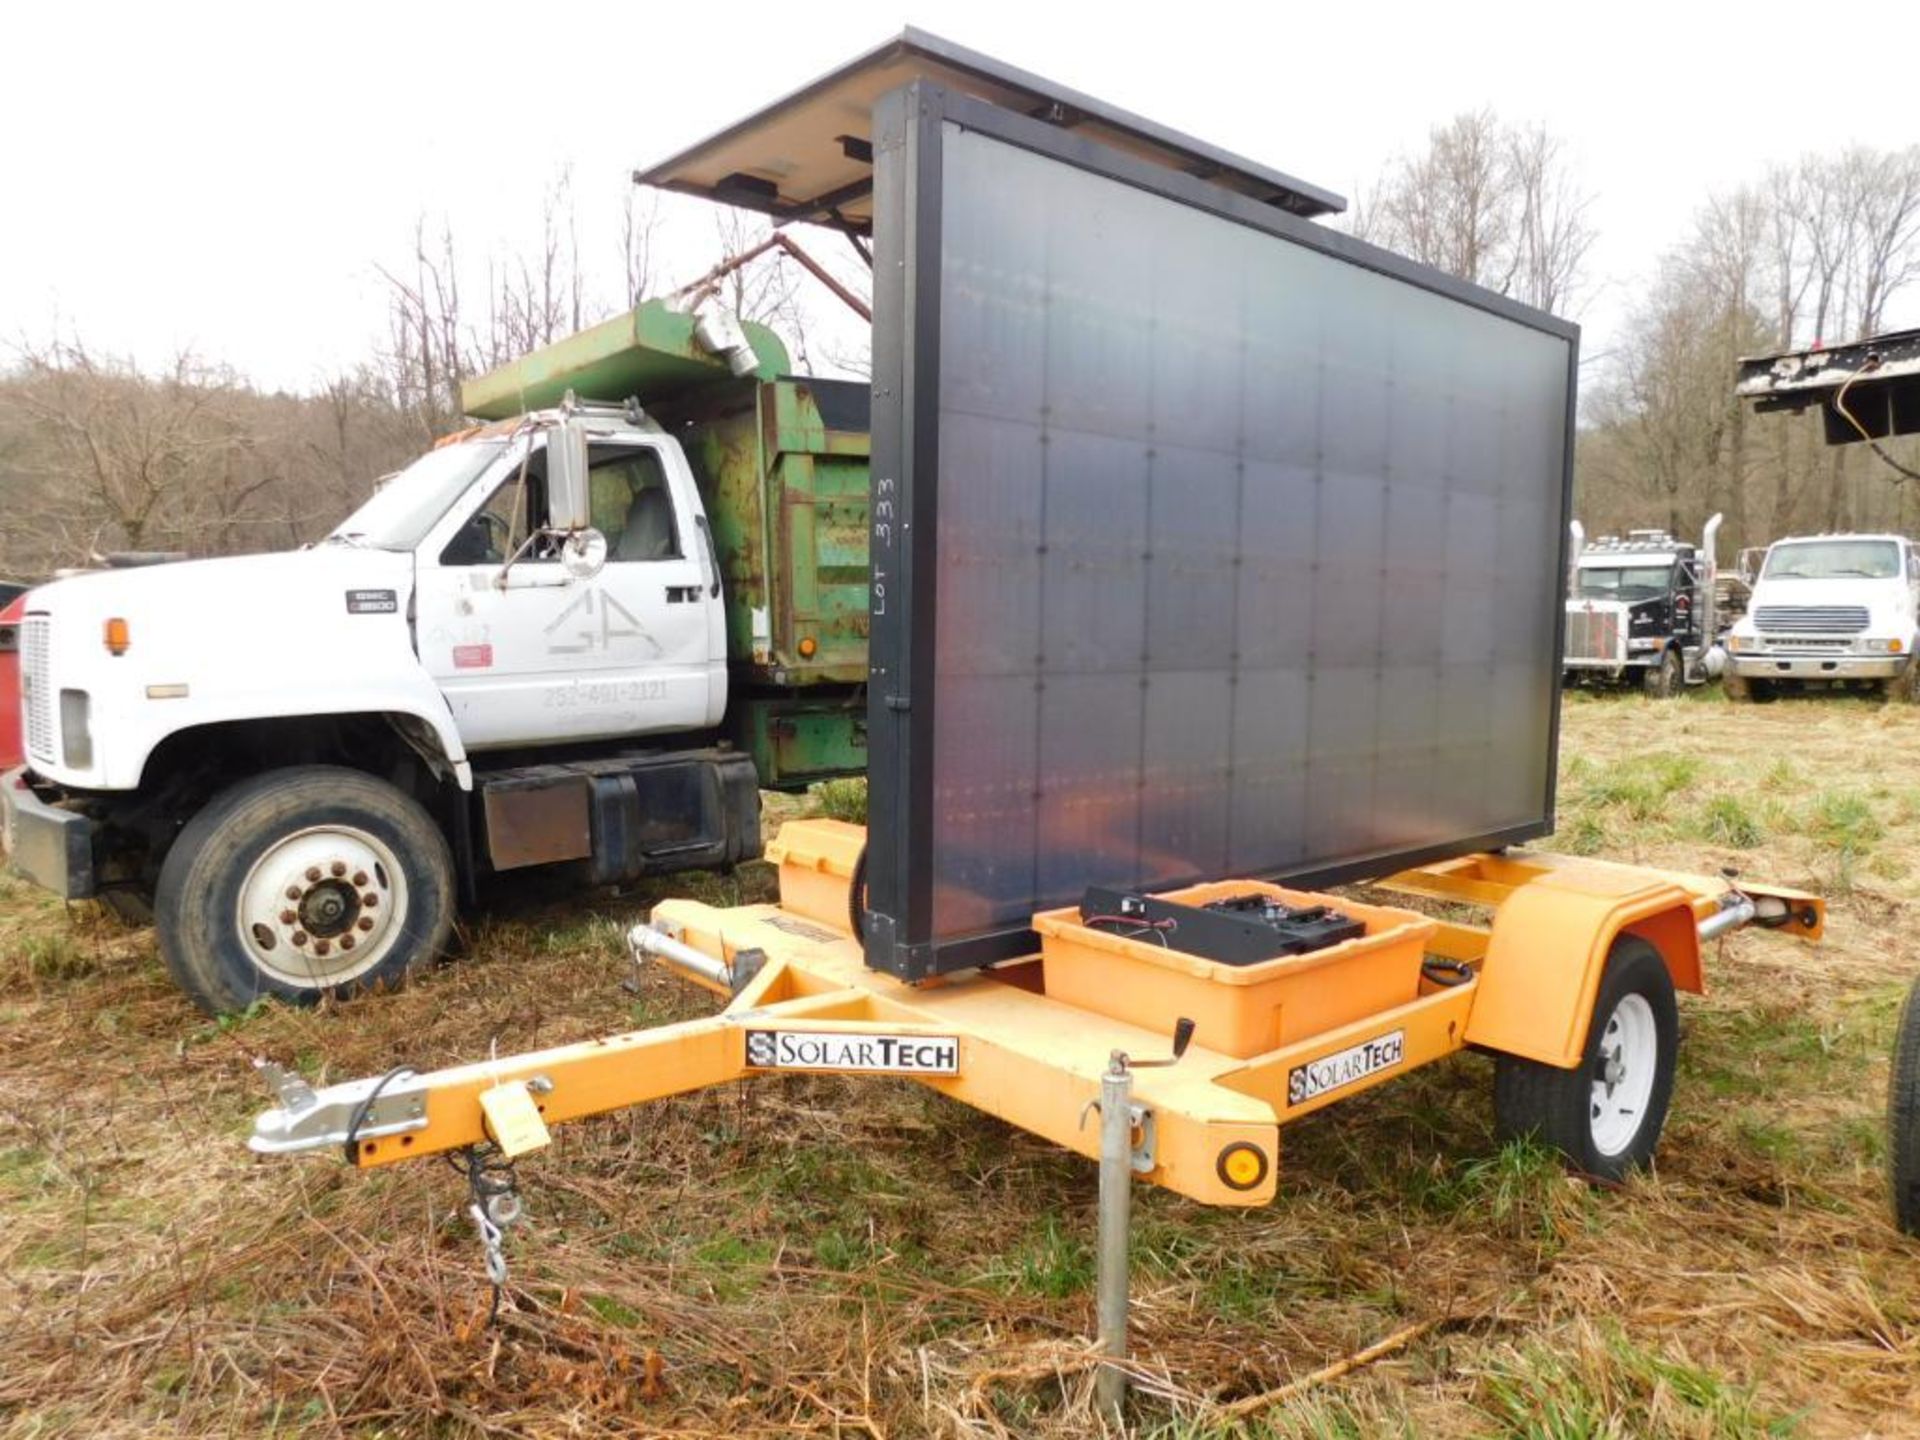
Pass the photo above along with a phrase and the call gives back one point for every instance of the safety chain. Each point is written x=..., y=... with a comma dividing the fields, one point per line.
x=493, y=1204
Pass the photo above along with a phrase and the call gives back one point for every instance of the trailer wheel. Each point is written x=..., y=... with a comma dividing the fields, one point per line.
x=1665, y=677
x=1903, y=1115
x=1606, y=1114
x=300, y=883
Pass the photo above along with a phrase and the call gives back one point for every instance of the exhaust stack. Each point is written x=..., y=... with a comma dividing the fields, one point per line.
x=1709, y=582
x=1573, y=556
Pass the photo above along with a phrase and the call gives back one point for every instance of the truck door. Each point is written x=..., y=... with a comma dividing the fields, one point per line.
x=528, y=654
x=1688, y=606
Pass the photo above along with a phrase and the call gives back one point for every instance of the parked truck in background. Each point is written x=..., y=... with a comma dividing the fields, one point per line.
x=583, y=634
x=1829, y=611
x=1642, y=609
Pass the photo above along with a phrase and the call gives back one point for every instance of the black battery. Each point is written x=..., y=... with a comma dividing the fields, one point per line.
x=1240, y=930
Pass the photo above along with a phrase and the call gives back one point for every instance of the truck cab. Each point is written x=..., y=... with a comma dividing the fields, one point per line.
x=1640, y=610
x=1827, y=611
x=578, y=636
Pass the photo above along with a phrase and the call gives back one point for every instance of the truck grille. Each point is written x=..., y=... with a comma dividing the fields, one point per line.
x=1594, y=635
x=1818, y=619
x=37, y=683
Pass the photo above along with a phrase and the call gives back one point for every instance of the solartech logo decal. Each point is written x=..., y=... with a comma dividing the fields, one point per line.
x=1344, y=1067
x=865, y=1054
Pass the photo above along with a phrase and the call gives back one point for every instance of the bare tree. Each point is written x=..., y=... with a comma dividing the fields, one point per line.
x=639, y=220
x=1551, y=233
x=428, y=355
x=1816, y=253
x=1490, y=203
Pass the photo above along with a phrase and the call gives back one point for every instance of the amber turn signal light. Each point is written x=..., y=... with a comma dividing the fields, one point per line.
x=1242, y=1166
x=117, y=638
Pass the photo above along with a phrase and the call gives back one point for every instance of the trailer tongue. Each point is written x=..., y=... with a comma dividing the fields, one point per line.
x=1216, y=559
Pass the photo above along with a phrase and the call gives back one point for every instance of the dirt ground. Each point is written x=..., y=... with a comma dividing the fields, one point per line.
x=826, y=1258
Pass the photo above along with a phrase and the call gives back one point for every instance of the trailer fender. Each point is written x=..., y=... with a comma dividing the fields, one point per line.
x=1549, y=945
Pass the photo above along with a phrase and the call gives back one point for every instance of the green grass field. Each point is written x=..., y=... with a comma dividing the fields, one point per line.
x=817, y=1257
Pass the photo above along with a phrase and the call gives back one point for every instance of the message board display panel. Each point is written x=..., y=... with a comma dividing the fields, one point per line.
x=1215, y=544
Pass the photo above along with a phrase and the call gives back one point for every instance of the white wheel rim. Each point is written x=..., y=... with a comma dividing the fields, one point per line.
x=1623, y=1075
x=322, y=907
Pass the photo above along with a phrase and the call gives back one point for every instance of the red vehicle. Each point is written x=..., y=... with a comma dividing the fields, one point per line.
x=12, y=754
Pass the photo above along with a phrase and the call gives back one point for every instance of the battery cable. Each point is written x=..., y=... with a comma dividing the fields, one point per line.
x=1840, y=404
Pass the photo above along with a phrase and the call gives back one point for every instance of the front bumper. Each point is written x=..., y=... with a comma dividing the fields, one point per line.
x=1749, y=666
x=51, y=847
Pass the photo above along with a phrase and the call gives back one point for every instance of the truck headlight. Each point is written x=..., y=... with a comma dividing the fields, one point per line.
x=1643, y=644
x=1739, y=642
x=76, y=730
x=1883, y=647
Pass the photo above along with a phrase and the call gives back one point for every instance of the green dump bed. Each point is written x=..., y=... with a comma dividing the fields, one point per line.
x=781, y=461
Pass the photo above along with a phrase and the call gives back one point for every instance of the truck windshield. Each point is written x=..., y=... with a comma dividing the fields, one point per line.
x=1833, y=560
x=403, y=509
x=1621, y=582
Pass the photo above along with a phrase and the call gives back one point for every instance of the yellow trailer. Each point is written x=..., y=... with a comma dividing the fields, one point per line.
x=1569, y=984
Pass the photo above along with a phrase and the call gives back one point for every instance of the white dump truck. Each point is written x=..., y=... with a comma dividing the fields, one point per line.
x=582, y=636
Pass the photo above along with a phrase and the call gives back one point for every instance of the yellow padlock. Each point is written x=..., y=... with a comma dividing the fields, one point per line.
x=513, y=1119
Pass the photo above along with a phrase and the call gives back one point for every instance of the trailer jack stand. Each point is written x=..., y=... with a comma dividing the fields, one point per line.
x=1116, y=1217
x=1126, y=1146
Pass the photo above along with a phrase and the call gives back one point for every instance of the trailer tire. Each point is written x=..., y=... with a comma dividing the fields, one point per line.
x=1605, y=1115
x=1903, y=1116
x=300, y=883
x=1666, y=677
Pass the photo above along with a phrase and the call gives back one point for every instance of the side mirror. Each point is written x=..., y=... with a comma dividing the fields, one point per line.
x=568, y=507
x=583, y=554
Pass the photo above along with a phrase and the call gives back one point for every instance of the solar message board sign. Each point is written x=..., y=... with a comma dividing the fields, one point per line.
x=1207, y=541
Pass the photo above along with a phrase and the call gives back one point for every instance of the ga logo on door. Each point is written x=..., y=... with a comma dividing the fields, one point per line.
x=593, y=622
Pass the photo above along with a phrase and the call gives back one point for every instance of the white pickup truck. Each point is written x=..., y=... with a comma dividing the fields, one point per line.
x=581, y=636
x=1829, y=610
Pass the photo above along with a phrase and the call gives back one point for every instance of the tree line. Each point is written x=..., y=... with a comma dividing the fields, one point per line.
x=99, y=454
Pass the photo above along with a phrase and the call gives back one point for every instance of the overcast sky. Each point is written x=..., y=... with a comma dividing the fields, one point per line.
x=225, y=178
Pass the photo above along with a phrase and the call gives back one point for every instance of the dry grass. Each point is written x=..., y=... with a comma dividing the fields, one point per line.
x=825, y=1258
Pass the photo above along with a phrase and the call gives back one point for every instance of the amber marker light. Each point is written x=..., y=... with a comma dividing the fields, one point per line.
x=117, y=638
x=1242, y=1166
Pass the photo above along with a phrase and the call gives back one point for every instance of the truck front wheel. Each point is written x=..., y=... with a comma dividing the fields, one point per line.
x=300, y=883
x=1666, y=677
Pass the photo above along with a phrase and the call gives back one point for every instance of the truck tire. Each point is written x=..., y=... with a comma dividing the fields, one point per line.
x=311, y=881
x=1606, y=1114
x=1904, y=688
x=1903, y=1116
x=1666, y=677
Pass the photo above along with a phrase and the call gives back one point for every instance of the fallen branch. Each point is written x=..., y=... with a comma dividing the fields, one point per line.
x=1398, y=1340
